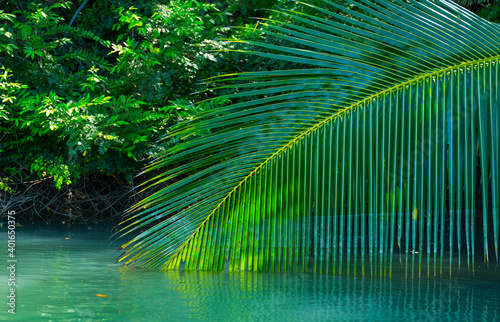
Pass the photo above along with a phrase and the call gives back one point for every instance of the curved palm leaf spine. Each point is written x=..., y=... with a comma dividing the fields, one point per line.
x=373, y=144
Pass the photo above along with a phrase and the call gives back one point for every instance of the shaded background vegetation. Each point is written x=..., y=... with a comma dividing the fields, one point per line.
x=84, y=106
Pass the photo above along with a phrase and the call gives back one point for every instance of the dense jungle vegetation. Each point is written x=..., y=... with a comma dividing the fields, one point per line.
x=89, y=88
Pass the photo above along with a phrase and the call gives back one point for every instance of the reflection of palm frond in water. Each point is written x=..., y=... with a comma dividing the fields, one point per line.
x=304, y=297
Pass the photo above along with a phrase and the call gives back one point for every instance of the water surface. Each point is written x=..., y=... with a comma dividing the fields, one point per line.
x=60, y=271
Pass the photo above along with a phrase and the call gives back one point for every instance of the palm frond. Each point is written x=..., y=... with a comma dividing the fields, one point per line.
x=388, y=140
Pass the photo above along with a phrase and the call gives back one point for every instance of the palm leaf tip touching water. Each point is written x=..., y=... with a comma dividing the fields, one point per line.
x=385, y=137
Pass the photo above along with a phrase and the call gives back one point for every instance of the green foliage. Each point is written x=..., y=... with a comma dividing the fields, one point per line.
x=98, y=96
x=470, y=2
x=490, y=10
x=163, y=54
x=4, y=185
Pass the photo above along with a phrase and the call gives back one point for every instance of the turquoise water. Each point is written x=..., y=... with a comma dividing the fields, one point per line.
x=57, y=279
